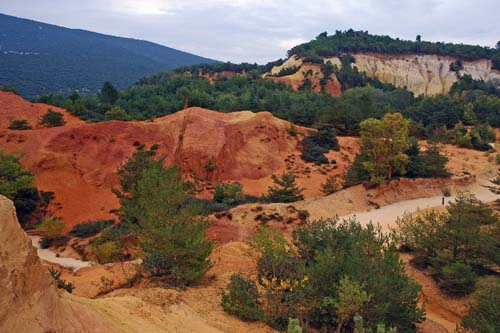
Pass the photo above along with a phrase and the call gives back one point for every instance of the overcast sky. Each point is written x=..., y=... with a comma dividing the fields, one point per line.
x=263, y=30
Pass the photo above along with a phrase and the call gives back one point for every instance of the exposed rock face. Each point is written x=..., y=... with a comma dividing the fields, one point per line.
x=78, y=162
x=29, y=299
x=421, y=74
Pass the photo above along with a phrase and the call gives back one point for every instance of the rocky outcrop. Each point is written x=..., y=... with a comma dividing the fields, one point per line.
x=422, y=74
x=29, y=299
x=78, y=162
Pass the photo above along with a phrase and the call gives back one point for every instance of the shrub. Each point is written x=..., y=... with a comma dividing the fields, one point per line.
x=52, y=227
x=210, y=166
x=116, y=113
x=9, y=88
x=457, y=279
x=90, y=228
x=229, y=193
x=294, y=326
x=242, y=299
x=61, y=284
x=484, y=314
x=284, y=189
x=106, y=252
x=19, y=124
x=333, y=271
x=446, y=191
x=292, y=130
x=316, y=144
x=52, y=119
x=330, y=186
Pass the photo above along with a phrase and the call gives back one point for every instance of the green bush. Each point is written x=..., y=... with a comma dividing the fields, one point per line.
x=52, y=119
x=61, y=284
x=284, y=189
x=457, y=279
x=318, y=143
x=229, y=193
x=19, y=124
x=333, y=271
x=242, y=300
x=330, y=186
x=90, y=228
x=106, y=252
x=484, y=313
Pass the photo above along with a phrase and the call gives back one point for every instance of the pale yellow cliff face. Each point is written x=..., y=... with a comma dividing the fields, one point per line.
x=422, y=74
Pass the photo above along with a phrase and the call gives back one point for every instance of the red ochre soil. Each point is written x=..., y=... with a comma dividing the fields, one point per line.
x=78, y=161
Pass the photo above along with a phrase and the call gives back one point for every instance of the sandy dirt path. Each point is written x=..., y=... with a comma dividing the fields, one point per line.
x=49, y=256
x=386, y=215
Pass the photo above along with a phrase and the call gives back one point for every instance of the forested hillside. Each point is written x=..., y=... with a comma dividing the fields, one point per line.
x=41, y=58
x=351, y=41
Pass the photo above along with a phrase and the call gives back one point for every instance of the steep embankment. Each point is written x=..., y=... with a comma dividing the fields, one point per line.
x=421, y=74
x=78, y=161
x=30, y=301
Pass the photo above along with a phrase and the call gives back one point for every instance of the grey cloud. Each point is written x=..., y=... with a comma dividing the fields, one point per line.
x=260, y=30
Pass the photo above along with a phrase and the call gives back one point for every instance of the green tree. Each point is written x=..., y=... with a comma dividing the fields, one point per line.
x=466, y=235
x=285, y=189
x=52, y=119
x=109, y=95
x=384, y=142
x=484, y=313
x=333, y=250
x=470, y=117
x=116, y=113
x=13, y=176
x=172, y=234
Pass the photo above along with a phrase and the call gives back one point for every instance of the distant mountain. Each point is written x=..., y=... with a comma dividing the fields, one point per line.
x=40, y=58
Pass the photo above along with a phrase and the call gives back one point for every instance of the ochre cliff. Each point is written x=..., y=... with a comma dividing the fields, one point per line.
x=421, y=74
x=78, y=161
x=29, y=299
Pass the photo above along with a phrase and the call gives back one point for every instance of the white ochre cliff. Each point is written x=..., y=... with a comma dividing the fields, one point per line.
x=421, y=74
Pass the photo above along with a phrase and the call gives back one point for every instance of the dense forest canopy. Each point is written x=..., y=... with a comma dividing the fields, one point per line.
x=351, y=41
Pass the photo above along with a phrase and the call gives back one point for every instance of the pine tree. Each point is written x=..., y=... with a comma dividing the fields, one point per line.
x=285, y=189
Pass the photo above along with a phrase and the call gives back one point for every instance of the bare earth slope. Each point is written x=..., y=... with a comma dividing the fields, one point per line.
x=30, y=301
x=78, y=161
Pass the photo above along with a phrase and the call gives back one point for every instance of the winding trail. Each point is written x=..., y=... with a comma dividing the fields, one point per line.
x=386, y=215
x=49, y=256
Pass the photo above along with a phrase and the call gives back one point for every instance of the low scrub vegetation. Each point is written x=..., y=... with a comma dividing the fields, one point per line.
x=52, y=119
x=332, y=272
x=317, y=144
x=91, y=228
x=242, y=299
x=19, y=124
x=456, y=245
x=61, y=283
